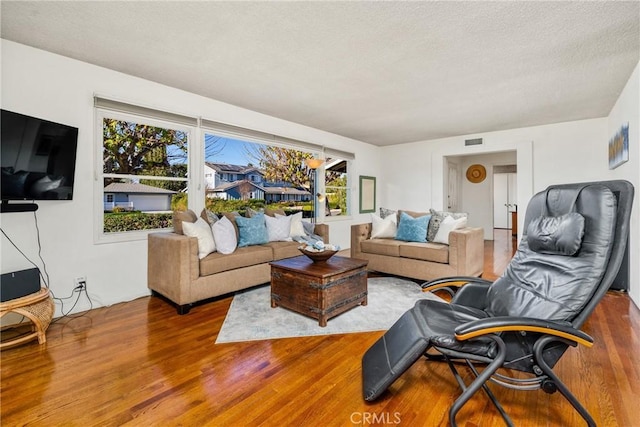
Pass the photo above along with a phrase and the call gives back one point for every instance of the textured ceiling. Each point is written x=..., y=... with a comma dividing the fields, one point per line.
x=379, y=72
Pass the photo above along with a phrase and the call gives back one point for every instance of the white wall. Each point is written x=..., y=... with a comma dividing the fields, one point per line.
x=627, y=109
x=551, y=154
x=60, y=89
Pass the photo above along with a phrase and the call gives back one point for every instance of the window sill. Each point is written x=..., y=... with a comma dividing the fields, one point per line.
x=127, y=236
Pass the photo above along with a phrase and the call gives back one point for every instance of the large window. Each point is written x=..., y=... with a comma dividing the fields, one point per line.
x=337, y=186
x=257, y=175
x=147, y=164
x=144, y=172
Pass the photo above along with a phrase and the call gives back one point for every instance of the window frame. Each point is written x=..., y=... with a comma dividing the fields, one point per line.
x=100, y=114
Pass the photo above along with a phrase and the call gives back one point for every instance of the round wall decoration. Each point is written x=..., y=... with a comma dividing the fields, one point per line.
x=476, y=173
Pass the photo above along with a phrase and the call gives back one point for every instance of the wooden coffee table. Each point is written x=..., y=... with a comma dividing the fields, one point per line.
x=320, y=290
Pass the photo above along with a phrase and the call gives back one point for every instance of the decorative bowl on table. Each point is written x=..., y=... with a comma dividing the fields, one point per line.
x=319, y=252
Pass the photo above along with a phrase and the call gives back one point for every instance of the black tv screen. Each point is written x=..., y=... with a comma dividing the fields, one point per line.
x=38, y=158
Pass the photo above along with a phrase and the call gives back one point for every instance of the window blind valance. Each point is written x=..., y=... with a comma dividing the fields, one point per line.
x=123, y=107
x=338, y=154
x=237, y=132
x=221, y=129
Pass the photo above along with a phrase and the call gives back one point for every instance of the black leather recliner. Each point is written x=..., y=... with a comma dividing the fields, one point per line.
x=572, y=247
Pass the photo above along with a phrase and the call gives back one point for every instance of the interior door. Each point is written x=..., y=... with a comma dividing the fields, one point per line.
x=452, y=188
x=505, y=199
x=500, y=200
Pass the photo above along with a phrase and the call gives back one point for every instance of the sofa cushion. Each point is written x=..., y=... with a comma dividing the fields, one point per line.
x=182, y=216
x=252, y=231
x=425, y=251
x=201, y=230
x=383, y=227
x=278, y=228
x=381, y=247
x=447, y=225
x=224, y=236
x=412, y=229
x=231, y=216
x=273, y=212
x=242, y=257
x=209, y=216
x=282, y=250
x=384, y=212
x=436, y=219
x=297, y=229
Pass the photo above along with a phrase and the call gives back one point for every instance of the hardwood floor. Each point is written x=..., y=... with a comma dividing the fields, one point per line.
x=139, y=363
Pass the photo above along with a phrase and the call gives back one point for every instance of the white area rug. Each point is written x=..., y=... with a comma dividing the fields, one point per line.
x=251, y=317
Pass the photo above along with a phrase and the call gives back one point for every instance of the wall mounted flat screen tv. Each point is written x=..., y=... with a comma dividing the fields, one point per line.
x=38, y=158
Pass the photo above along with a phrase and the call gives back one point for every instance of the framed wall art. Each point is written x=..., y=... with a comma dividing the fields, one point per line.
x=619, y=147
x=367, y=194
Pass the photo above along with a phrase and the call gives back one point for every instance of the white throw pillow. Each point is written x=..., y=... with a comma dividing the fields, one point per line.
x=297, y=229
x=383, y=228
x=202, y=231
x=278, y=228
x=447, y=225
x=224, y=234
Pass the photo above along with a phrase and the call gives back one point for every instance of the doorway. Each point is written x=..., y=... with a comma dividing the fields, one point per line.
x=505, y=198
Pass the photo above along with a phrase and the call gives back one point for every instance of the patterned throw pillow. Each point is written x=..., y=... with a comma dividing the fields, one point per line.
x=209, y=216
x=278, y=229
x=252, y=231
x=384, y=212
x=436, y=220
x=412, y=229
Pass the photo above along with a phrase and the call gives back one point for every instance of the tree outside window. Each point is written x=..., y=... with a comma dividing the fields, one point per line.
x=145, y=171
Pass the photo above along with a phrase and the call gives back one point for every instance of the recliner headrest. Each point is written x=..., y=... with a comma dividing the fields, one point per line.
x=561, y=235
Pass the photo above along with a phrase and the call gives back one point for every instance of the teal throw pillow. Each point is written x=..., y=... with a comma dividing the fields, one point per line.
x=252, y=231
x=413, y=229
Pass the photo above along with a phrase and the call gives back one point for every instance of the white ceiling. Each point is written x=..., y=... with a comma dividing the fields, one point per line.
x=379, y=72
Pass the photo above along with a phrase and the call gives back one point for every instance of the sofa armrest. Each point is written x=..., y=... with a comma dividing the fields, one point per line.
x=466, y=251
x=322, y=230
x=172, y=265
x=359, y=232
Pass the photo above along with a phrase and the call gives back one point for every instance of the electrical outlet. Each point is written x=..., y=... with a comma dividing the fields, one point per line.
x=80, y=282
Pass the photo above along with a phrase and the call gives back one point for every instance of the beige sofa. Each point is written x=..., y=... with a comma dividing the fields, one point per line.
x=175, y=272
x=463, y=256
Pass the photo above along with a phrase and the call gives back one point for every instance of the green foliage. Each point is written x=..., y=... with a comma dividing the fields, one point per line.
x=176, y=170
x=284, y=165
x=179, y=202
x=132, y=148
x=128, y=221
x=219, y=205
x=337, y=197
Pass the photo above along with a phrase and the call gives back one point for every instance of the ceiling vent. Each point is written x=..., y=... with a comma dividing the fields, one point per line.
x=477, y=141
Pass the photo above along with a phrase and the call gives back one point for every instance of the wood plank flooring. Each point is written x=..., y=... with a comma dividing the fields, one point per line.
x=140, y=364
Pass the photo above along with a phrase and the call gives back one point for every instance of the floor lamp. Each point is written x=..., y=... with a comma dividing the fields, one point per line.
x=314, y=164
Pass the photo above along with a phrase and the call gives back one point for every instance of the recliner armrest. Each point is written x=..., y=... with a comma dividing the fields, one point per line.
x=492, y=325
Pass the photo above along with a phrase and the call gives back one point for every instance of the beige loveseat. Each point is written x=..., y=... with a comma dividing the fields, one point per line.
x=463, y=256
x=175, y=272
